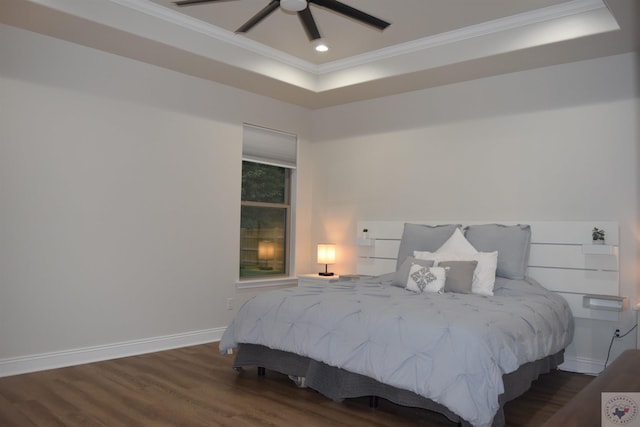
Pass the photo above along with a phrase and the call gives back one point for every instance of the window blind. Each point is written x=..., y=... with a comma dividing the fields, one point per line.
x=269, y=146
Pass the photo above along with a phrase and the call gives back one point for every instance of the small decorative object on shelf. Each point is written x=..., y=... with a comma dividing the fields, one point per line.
x=598, y=236
x=365, y=238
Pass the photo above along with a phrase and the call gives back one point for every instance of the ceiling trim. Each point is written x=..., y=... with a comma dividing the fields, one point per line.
x=167, y=38
x=157, y=11
x=520, y=20
x=550, y=13
x=485, y=45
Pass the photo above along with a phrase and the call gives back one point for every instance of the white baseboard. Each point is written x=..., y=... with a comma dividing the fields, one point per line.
x=60, y=359
x=582, y=365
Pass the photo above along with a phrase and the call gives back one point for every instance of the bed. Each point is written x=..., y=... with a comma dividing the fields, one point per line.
x=453, y=329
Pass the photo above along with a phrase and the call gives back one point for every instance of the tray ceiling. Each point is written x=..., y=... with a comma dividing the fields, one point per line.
x=429, y=42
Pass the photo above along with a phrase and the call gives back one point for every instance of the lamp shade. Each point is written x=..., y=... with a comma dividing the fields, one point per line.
x=266, y=250
x=326, y=253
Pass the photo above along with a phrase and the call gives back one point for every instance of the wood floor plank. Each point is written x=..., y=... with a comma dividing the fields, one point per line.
x=196, y=386
x=11, y=415
x=39, y=414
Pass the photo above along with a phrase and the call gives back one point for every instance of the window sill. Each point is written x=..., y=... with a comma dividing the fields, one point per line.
x=267, y=283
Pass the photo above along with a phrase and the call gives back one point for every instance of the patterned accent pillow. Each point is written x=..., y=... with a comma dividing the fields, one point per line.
x=426, y=279
x=400, y=278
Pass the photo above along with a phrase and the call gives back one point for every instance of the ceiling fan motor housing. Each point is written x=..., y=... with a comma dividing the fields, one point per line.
x=293, y=5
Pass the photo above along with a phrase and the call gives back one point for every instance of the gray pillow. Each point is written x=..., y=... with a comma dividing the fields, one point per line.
x=459, y=275
x=511, y=242
x=419, y=237
x=402, y=274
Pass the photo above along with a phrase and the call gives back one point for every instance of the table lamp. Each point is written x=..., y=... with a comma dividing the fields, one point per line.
x=326, y=256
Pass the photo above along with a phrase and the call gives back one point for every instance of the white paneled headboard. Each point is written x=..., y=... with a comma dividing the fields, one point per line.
x=557, y=259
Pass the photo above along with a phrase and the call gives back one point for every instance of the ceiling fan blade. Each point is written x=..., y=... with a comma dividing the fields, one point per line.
x=309, y=24
x=351, y=12
x=268, y=9
x=192, y=2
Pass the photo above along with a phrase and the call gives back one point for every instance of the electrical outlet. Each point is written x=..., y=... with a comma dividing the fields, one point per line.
x=229, y=303
x=617, y=333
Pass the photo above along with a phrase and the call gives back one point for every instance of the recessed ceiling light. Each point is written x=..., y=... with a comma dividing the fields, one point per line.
x=320, y=46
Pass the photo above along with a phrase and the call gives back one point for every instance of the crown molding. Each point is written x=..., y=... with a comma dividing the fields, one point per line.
x=520, y=20
x=213, y=53
x=570, y=8
x=168, y=15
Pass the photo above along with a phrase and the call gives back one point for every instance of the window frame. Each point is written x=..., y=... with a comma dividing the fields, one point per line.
x=286, y=278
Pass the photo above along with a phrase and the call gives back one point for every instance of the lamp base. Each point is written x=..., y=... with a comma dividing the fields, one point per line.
x=324, y=273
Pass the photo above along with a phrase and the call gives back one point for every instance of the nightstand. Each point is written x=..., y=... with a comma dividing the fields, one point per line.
x=316, y=279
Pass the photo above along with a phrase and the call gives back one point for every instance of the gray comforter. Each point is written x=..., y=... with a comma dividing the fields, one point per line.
x=450, y=348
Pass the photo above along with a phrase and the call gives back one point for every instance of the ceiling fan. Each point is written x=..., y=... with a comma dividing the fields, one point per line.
x=304, y=13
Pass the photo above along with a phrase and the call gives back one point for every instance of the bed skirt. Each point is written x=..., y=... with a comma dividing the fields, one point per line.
x=338, y=384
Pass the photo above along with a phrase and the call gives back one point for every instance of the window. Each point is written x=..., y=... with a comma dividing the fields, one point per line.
x=268, y=169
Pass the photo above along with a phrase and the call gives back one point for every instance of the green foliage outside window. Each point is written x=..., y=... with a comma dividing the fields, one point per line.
x=264, y=220
x=263, y=183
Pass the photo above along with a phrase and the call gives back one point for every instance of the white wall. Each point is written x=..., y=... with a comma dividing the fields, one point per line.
x=558, y=143
x=119, y=197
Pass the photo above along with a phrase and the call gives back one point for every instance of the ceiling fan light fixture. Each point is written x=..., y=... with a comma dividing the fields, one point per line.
x=293, y=5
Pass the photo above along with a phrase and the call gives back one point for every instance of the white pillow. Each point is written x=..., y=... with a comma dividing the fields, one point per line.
x=484, y=276
x=426, y=279
x=457, y=243
x=429, y=256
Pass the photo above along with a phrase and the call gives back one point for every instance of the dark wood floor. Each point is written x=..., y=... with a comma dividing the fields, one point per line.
x=195, y=386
